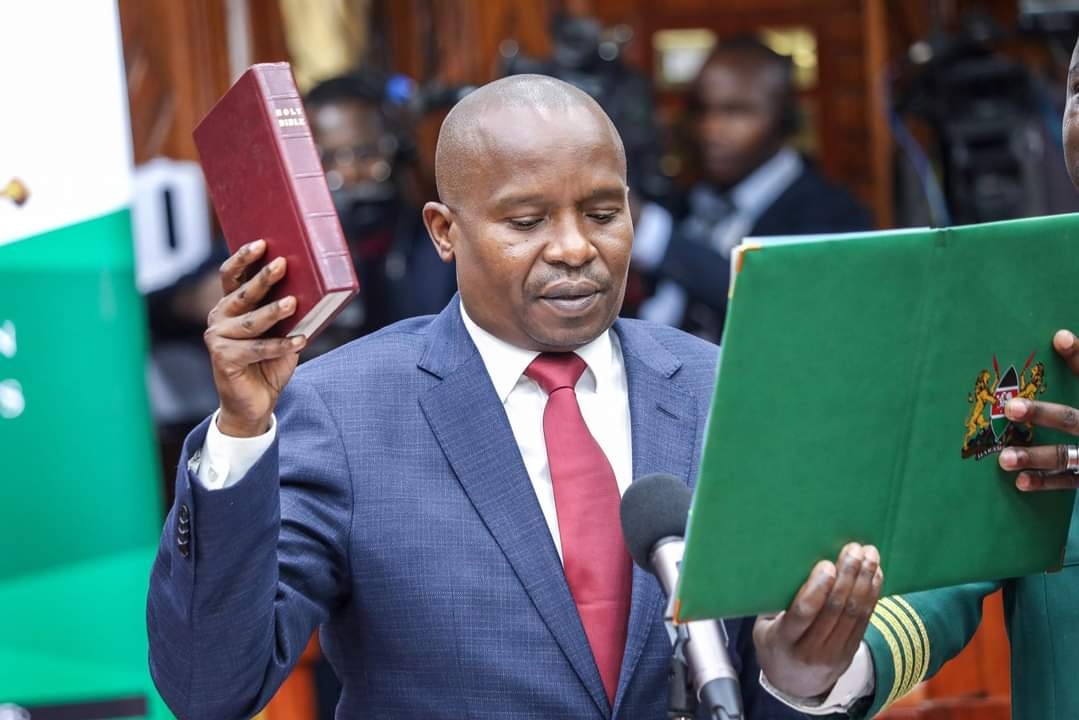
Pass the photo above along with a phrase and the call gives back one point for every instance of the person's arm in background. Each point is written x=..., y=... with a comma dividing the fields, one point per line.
x=910, y=637
x=245, y=573
x=807, y=652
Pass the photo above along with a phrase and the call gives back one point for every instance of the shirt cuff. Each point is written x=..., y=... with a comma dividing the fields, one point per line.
x=857, y=682
x=226, y=459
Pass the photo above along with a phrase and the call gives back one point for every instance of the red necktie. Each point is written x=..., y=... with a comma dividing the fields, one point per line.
x=586, y=497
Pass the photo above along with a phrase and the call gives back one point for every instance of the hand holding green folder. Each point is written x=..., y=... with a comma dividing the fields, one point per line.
x=860, y=398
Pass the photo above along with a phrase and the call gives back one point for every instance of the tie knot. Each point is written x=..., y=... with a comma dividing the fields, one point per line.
x=554, y=371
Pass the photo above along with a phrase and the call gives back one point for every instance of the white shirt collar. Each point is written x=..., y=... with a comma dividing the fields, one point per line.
x=506, y=363
x=762, y=186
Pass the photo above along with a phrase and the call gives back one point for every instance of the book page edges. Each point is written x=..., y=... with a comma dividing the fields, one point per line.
x=318, y=315
x=737, y=260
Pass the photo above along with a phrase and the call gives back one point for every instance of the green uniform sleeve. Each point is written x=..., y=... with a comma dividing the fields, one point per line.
x=911, y=636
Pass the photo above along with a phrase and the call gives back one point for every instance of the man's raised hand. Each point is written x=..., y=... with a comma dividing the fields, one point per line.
x=249, y=371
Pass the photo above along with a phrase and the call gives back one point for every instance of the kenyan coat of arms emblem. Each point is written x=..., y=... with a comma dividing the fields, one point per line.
x=988, y=429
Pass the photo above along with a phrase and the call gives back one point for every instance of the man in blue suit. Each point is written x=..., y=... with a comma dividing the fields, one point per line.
x=440, y=498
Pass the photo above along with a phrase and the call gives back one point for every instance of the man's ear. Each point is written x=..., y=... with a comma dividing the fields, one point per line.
x=439, y=221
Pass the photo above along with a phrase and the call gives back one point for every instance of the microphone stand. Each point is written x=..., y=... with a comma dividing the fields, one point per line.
x=701, y=642
x=682, y=701
x=721, y=696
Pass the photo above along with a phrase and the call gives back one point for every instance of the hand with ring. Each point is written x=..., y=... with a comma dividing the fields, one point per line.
x=1047, y=467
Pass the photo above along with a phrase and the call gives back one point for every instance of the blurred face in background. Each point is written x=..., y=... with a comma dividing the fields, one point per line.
x=739, y=103
x=1071, y=119
x=357, y=148
x=358, y=153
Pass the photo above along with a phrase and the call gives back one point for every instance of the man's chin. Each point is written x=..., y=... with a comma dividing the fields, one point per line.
x=565, y=334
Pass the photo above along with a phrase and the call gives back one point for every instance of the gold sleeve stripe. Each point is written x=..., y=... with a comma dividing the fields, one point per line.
x=918, y=662
x=897, y=657
x=911, y=621
x=902, y=602
x=904, y=673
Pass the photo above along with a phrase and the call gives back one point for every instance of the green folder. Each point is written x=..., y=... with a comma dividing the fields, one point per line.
x=859, y=399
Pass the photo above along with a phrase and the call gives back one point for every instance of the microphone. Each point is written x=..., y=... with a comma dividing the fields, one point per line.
x=654, y=510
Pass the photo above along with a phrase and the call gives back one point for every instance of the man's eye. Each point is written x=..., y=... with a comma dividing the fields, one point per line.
x=603, y=217
x=525, y=223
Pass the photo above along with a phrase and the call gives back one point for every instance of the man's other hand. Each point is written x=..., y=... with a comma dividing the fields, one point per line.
x=805, y=649
x=249, y=371
x=1045, y=467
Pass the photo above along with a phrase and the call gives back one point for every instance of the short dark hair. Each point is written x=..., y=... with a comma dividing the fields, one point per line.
x=352, y=87
x=368, y=89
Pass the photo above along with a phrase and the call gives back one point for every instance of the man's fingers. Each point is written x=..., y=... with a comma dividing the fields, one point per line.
x=1067, y=346
x=1050, y=415
x=860, y=602
x=807, y=604
x=1036, y=480
x=858, y=631
x=247, y=296
x=1042, y=466
x=254, y=323
x=849, y=567
x=234, y=269
x=231, y=353
x=1040, y=457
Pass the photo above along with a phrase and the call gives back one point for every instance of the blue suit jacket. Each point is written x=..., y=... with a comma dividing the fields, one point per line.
x=406, y=527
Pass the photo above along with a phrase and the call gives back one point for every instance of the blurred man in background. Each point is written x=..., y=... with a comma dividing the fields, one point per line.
x=366, y=153
x=744, y=111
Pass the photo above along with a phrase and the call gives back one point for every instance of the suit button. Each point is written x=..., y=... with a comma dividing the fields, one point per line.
x=185, y=514
x=184, y=543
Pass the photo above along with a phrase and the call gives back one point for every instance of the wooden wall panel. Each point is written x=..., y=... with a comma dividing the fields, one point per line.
x=177, y=63
x=176, y=59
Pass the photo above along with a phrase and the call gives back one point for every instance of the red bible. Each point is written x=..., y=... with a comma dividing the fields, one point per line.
x=266, y=182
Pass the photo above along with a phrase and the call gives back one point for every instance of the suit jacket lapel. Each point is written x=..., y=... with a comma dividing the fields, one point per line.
x=663, y=418
x=471, y=426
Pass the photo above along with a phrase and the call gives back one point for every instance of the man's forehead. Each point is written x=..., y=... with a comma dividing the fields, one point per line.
x=741, y=73
x=517, y=124
x=516, y=127
x=512, y=143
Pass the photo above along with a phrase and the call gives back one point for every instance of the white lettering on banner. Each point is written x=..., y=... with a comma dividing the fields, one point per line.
x=12, y=402
x=7, y=339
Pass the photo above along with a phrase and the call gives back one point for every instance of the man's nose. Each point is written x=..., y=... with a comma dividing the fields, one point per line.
x=570, y=245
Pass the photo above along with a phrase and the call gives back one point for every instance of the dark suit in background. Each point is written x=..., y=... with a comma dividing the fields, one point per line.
x=810, y=204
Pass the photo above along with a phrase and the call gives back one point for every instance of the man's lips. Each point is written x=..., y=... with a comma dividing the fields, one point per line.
x=570, y=297
x=569, y=290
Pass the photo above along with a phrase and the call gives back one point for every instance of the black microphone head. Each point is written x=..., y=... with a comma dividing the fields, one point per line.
x=653, y=507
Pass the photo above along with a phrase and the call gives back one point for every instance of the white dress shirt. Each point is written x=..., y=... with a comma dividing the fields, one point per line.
x=602, y=394
x=857, y=681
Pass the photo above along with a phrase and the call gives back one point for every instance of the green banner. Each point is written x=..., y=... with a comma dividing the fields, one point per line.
x=79, y=480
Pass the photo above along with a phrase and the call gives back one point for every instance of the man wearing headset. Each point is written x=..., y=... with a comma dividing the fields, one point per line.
x=743, y=112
